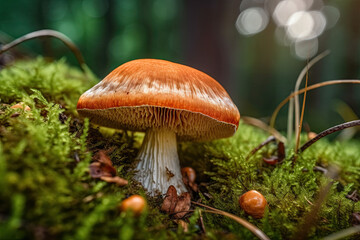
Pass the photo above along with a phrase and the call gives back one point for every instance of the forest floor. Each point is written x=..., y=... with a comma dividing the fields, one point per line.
x=47, y=192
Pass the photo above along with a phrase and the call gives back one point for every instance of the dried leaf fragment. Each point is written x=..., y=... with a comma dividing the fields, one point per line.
x=183, y=205
x=169, y=174
x=102, y=157
x=170, y=200
x=174, y=204
x=102, y=168
x=98, y=170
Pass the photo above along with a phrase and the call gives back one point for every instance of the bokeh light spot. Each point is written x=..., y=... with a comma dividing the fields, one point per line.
x=283, y=11
x=332, y=15
x=300, y=25
x=306, y=49
x=252, y=21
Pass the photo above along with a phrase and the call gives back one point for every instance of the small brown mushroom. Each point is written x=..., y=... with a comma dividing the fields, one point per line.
x=188, y=177
x=134, y=203
x=253, y=203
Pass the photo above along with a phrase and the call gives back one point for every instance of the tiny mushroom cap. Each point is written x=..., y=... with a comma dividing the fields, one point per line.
x=253, y=203
x=166, y=100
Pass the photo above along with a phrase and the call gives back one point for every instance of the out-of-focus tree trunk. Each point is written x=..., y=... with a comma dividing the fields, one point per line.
x=203, y=37
x=352, y=64
x=108, y=32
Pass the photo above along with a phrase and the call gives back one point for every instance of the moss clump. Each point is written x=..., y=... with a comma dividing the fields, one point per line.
x=46, y=191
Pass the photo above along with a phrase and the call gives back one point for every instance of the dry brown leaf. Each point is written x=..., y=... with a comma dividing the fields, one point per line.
x=102, y=157
x=170, y=200
x=183, y=205
x=174, y=204
x=98, y=170
x=102, y=168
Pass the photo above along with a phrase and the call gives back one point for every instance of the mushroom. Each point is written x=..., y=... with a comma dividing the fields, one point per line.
x=167, y=101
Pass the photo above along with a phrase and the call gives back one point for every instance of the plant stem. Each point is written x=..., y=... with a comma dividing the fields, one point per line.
x=256, y=231
x=48, y=33
x=318, y=85
x=298, y=132
x=304, y=71
x=267, y=141
x=329, y=131
x=260, y=124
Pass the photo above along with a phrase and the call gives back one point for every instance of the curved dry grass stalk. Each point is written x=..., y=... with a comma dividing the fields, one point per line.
x=299, y=127
x=329, y=131
x=318, y=85
x=343, y=233
x=48, y=33
x=260, y=124
x=301, y=76
x=256, y=231
x=267, y=141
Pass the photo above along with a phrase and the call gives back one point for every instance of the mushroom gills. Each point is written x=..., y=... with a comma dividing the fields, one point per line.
x=159, y=165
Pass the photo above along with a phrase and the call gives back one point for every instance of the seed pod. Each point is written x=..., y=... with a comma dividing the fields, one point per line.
x=134, y=203
x=253, y=203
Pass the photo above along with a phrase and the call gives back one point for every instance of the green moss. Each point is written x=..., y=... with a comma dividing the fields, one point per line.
x=46, y=190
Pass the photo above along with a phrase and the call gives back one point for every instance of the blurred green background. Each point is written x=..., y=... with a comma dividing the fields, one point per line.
x=255, y=68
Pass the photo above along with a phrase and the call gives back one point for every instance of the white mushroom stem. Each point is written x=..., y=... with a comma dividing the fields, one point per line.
x=159, y=162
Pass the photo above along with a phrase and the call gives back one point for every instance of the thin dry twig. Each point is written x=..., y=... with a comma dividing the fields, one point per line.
x=290, y=120
x=202, y=222
x=260, y=124
x=48, y=33
x=255, y=230
x=302, y=115
x=329, y=131
x=267, y=141
x=301, y=76
x=311, y=87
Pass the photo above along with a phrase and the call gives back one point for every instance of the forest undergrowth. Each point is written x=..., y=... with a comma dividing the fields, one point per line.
x=47, y=192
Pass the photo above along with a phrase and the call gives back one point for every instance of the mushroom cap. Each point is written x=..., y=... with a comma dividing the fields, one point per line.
x=152, y=93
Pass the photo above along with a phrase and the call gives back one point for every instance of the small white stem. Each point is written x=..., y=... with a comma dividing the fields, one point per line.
x=159, y=162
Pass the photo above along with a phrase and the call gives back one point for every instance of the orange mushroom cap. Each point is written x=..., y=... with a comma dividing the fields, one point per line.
x=151, y=93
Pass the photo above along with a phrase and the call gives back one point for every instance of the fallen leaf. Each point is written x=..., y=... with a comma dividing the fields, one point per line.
x=102, y=168
x=98, y=170
x=183, y=205
x=102, y=157
x=170, y=200
x=174, y=204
